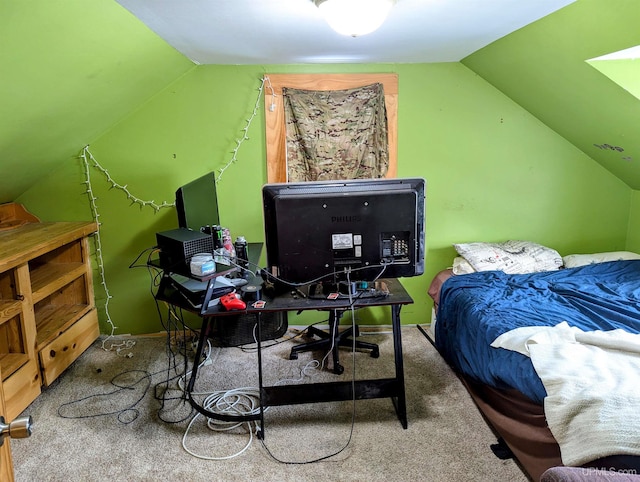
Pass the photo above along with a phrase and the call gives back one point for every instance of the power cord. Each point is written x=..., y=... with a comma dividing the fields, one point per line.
x=353, y=389
x=239, y=401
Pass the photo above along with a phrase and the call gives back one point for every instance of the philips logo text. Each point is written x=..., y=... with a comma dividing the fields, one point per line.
x=346, y=219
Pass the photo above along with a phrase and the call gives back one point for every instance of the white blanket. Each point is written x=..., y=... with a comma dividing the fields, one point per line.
x=592, y=381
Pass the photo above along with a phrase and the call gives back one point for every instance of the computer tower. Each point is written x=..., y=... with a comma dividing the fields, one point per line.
x=237, y=330
x=178, y=246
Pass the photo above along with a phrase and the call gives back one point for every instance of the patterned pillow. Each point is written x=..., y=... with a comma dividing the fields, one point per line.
x=512, y=257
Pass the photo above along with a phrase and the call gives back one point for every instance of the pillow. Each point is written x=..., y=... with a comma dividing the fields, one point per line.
x=462, y=266
x=575, y=260
x=512, y=257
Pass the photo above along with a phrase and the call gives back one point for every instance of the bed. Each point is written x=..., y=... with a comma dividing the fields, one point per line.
x=548, y=348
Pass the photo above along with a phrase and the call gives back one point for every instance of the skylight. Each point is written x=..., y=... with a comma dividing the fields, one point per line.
x=622, y=67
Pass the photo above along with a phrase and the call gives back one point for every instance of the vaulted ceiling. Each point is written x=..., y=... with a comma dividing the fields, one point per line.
x=73, y=69
x=69, y=71
x=545, y=68
x=294, y=31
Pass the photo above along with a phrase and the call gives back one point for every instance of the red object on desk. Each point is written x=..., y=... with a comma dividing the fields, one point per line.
x=232, y=302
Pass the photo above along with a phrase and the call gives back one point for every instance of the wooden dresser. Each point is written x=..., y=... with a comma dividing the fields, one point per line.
x=47, y=309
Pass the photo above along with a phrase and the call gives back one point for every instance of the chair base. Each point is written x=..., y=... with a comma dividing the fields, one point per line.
x=332, y=340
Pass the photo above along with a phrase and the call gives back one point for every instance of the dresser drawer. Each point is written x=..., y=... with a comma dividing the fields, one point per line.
x=63, y=351
x=21, y=388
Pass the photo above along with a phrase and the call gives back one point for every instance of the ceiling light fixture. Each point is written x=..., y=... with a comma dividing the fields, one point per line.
x=354, y=17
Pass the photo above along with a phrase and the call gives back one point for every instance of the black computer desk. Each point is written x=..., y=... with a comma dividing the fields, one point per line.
x=343, y=390
x=310, y=392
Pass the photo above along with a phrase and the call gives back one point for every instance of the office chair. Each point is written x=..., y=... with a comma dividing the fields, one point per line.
x=334, y=338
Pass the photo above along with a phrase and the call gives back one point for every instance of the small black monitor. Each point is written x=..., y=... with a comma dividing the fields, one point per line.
x=197, y=203
x=319, y=231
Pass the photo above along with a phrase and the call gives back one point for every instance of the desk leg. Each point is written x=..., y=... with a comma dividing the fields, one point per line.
x=399, y=402
x=204, y=334
x=260, y=433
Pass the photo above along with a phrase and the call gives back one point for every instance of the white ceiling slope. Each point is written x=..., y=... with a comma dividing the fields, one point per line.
x=293, y=32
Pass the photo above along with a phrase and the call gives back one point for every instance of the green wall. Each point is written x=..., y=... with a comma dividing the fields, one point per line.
x=69, y=70
x=493, y=172
x=80, y=72
x=633, y=237
x=544, y=67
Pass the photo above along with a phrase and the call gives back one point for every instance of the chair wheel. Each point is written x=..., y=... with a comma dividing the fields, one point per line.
x=338, y=369
x=375, y=353
x=293, y=355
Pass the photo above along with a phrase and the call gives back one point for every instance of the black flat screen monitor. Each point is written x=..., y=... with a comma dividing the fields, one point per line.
x=320, y=231
x=197, y=203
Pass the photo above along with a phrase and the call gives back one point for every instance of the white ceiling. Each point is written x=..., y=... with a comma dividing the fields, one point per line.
x=293, y=32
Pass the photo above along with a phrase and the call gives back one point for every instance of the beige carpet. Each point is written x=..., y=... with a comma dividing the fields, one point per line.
x=88, y=426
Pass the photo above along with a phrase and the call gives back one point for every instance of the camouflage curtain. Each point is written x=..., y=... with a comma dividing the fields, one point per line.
x=336, y=134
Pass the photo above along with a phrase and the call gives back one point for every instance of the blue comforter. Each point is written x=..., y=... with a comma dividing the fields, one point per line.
x=474, y=309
